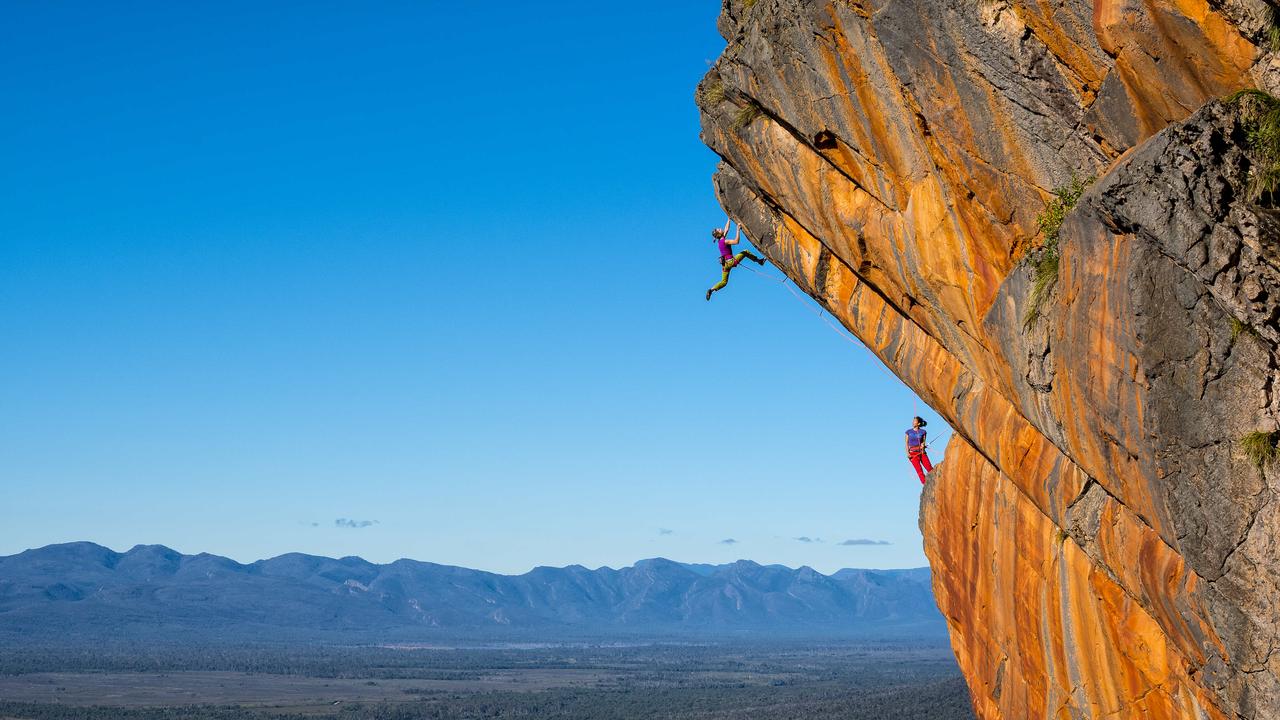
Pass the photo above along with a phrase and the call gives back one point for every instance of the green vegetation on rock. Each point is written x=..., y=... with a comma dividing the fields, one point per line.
x=1260, y=447
x=713, y=93
x=1240, y=327
x=1045, y=261
x=1044, y=275
x=1065, y=197
x=747, y=114
x=1260, y=115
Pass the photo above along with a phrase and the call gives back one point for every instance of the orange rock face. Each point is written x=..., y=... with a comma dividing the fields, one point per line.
x=1039, y=628
x=1101, y=546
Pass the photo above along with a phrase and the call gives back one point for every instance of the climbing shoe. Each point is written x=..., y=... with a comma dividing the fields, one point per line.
x=760, y=260
x=708, y=294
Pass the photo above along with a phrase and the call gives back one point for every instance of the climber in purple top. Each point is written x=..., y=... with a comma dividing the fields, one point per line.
x=917, y=445
x=728, y=260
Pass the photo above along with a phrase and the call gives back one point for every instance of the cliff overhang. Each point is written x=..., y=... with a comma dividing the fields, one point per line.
x=1101, y=544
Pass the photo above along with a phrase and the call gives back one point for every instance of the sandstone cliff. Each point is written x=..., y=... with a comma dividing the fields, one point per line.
x=1102, y=546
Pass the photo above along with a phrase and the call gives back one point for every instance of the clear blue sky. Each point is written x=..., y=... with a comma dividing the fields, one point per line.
x=433, y=267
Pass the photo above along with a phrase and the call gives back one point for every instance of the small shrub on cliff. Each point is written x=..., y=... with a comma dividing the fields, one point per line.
x=1239, y=327
x=747, y=114
x=1044, y=274
x=1260, y=115
x=1260, y=447
x=713, y=93
x=1049, y=221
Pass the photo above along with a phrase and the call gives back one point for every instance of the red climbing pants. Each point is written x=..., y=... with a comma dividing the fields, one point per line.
x=918, y=459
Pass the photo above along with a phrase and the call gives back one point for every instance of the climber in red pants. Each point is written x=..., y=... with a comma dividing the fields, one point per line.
x=916, y=448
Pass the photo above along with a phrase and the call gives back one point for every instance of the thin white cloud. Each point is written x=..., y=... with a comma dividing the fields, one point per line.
x=345, y=523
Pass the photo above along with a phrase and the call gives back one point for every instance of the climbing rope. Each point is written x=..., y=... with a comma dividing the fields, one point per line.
x=840, y=329
x=822, y=313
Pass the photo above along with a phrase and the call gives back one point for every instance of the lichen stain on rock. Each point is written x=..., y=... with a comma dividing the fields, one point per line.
x=1101, y=547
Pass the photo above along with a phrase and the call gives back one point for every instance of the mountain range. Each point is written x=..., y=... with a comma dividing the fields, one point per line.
x=83, y=591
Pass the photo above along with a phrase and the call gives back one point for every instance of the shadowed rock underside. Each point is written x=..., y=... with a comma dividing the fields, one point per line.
x=1102, y=547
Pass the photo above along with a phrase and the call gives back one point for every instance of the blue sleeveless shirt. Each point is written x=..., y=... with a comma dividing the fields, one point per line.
x=915, y=437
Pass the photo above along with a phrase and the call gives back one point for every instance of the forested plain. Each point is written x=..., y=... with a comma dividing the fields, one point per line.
x=587, y=681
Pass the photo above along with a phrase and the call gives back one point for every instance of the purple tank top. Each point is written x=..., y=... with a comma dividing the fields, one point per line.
x=725, y=253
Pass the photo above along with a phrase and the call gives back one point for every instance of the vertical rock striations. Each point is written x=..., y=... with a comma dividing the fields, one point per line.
x=1101, y=544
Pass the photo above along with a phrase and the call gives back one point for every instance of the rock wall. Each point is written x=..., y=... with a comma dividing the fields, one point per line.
x=1101, y=545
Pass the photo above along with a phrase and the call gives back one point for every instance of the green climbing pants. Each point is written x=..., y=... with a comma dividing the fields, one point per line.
x=731, y=264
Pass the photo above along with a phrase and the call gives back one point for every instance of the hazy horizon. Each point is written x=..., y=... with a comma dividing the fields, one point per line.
x=633, y=563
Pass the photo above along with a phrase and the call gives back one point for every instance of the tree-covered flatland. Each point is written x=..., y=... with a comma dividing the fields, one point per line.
x=730, y=681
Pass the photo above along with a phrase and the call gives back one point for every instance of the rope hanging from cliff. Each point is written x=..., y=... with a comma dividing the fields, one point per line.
x=805, y=299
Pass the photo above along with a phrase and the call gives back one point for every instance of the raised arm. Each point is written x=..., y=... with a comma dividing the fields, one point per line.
x=727, y=222
x=736, y=235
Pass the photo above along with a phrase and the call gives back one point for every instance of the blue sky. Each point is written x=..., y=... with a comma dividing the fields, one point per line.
x=434, y=268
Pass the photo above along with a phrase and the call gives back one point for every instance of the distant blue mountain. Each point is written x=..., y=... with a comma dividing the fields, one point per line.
x=86, y=591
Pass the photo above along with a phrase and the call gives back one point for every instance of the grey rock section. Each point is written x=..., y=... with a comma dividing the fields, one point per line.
x=1185, y=192
x=1254, y=18
x=1201, y=253
x=1164, y=252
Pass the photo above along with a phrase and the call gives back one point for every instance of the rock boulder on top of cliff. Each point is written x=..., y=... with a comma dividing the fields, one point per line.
x=1102, y=547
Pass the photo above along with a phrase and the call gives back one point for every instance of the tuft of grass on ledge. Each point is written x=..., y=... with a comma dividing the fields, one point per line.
x=1260, y=447
x=1240, y=327
x=713, y=93
x=1260, y=115
x=747, y=114
x=1044, y=275
x=1045, y=265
